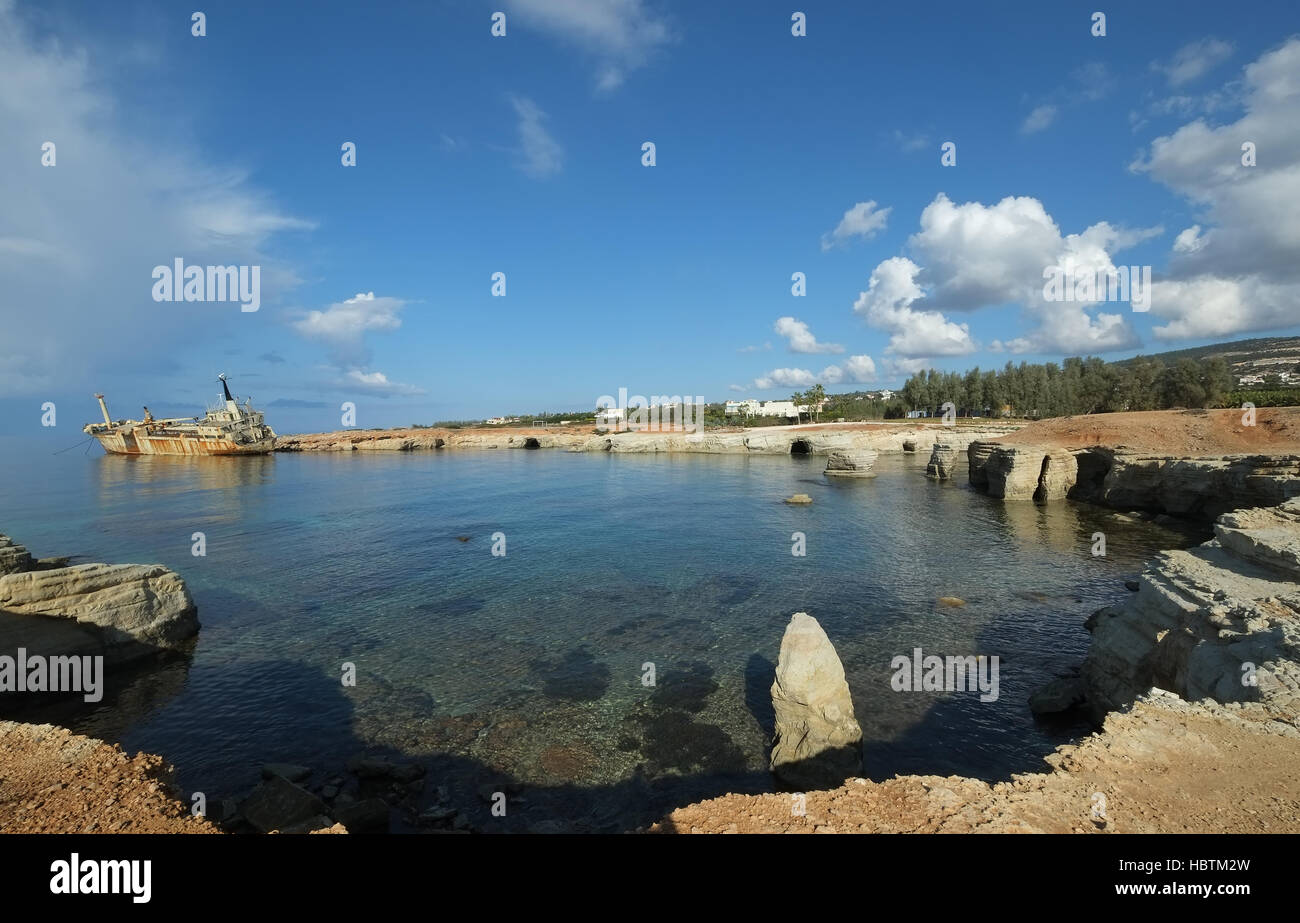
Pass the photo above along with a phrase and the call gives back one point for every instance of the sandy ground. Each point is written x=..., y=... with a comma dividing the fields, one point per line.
x=1158, y=769
x=54, y=781
x=1171, y=432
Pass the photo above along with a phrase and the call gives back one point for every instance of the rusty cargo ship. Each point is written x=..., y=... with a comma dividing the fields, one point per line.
x=229, y=430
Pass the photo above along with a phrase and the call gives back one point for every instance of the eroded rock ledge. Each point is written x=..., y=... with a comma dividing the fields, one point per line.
x=1194, y=487
x=1219, y=621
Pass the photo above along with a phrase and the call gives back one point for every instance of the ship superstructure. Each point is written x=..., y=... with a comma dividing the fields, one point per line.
x=231, y=429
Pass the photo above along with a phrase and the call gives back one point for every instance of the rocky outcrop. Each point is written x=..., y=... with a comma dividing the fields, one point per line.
x=851, y=464
x=14, y=558
x=120, y=611
x=818, y=740
x=1201, y=488
x=1219, y=621
x=977, y=455
x=942, y=458
x=1057, y=476
x=1022, y=472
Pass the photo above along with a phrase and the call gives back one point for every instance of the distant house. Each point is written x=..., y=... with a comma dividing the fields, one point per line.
x=747, y=408
x=609, y=416
x=785, y=409
x=885, y=394
x=917, y=414
x=495, y=421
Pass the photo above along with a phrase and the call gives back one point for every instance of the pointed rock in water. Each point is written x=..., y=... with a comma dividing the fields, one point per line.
x=799, y=498
x=818, y=739
x=952, y=601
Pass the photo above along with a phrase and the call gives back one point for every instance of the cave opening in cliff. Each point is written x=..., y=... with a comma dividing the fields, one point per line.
x=531, y=443
x=800, y=447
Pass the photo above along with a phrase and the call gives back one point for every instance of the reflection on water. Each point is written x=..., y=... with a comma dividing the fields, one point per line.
x=529, y=667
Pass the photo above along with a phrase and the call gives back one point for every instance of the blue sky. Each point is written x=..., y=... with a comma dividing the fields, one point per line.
x=523, y=155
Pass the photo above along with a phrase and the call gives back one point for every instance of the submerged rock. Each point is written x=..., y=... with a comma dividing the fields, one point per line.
x=1057, y=696
x=277, y=804
x=851, y=464
x=818, y=739
x=799, y=498
x=953, y=602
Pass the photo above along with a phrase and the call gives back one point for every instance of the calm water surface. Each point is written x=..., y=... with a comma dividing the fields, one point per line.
x=527, y=668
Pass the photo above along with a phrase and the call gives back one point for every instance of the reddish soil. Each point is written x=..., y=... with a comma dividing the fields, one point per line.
x=54, y=781
x=1171, y=432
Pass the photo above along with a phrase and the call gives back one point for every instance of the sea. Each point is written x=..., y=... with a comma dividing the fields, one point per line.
x=596, y=632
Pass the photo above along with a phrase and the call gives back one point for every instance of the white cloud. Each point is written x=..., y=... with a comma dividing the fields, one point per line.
x=131, y=191
x=343, y=325
x=862, y=220
x=909, y=143
x=977, y=255
x=801, y=339
x=377, y=383
x=1038, y=120
x=1189, y=240
x=788, y=378
x=853, y=369
x=540, y=155
x=1193, y=60
x=754, y=349
x=620, y=35
x=887, y=304
x=1243, y=255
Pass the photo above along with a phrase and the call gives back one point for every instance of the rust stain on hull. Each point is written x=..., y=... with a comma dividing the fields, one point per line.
x=167, y=445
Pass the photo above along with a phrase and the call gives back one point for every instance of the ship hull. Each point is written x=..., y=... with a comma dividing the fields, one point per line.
x=140, y=444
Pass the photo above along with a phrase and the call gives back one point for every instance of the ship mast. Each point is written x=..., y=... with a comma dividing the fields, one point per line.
x=103, y=408
x=231, y=406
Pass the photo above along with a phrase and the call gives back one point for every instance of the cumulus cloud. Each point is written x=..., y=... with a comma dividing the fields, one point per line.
x=975, y=255
x=801, y=339
x=1038, y=120
x=887, y=304
x=862, y=220
x=343, y=325
x=1193, y=60
x=1243, y=255
x=853, y=369
x=540, y=155
x=620, y=35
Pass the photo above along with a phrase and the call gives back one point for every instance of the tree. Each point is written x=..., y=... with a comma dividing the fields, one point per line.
x=1180, y=385
x=815, y=395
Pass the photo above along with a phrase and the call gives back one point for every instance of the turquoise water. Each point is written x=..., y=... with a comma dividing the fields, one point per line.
x=528, y=668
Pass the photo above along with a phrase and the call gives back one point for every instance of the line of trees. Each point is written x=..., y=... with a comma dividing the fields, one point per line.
x=1077, y=386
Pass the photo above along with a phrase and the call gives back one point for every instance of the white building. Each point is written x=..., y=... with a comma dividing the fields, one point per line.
x=609, y=416
x=747, y=408
x=785, y=409
x=885, y=394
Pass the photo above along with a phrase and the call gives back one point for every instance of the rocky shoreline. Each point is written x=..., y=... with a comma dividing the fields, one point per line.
x=823, y=439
